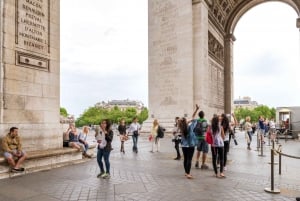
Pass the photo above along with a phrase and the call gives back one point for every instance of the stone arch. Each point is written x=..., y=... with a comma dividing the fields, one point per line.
x=245, y=6
x=239, y=10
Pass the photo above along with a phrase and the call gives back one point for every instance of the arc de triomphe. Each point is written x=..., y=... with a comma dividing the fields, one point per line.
x=190, y=61
x=191, y=52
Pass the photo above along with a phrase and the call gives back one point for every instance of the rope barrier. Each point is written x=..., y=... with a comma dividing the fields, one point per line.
x=283, y=154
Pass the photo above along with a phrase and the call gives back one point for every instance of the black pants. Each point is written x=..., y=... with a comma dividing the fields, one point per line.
x=188, y=153
x=177, y=148
x=217, y=151
x=226, y=150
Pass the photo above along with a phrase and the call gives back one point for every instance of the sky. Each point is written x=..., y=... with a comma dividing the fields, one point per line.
x=267, y=56
x=104, y=53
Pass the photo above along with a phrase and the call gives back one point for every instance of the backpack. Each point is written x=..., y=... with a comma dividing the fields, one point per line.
x=160, y=132
x=200, y=128
x=208, y=137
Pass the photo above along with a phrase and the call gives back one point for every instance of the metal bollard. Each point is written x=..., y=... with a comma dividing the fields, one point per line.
x=261, y=147
x=272, y=190
x=257, y=141
x=279, y=164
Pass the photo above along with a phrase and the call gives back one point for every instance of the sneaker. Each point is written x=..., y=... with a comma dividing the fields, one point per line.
x=22, y=169
x=197, y=164
x=106, y=176
x=204, y=167
x=100, y=174
x=17, y=170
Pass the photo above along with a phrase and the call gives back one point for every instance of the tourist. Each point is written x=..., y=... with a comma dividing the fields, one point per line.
x=12, y=147
x=104, y=139
x=134, y=128
x=202, y=145
x=217, y=148
x=83, y=140
x=261, y=128
x=154, y=137
x=272, y=129
x=188, y=143
x=226, y=128
x=177, y=138
x=248, y=132
x=123, y=135
x=74, y=140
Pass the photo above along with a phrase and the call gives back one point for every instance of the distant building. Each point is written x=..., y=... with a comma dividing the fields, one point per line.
x=244, y=102
x=121, y=104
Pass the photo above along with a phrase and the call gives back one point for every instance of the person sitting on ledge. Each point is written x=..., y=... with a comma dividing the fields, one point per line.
x=83, y=140
x=13, y=152
x=74, y=140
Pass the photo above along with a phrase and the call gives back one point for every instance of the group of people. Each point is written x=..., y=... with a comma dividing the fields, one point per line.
x=193, y=133
x=187, y=133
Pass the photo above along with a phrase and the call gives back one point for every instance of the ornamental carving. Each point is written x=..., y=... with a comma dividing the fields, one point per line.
x=220, y=11
x=215, y=49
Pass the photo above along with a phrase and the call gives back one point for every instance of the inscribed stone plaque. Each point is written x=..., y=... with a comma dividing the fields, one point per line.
x=32, y=32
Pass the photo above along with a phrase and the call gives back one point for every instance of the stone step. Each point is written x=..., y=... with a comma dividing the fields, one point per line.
x=46, y=160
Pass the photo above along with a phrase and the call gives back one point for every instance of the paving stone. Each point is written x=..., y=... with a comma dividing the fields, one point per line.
x=147, y=176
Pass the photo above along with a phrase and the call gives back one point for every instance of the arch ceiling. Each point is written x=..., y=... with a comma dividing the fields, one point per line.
x=226, y=13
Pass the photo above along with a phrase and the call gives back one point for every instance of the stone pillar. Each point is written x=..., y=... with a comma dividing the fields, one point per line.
x=201, y=80
x=228, y=73
x=170, y=69
x=30, y=81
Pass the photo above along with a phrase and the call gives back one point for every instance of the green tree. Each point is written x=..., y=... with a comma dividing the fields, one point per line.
x=63, y=112
x=94, y=115
x=242, y=113
x=143, y=115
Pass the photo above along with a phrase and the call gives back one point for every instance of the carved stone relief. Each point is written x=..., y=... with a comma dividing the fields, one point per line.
x=216, y=74
x=215, y=49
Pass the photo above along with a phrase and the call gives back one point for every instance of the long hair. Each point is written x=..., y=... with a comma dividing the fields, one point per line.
x=155, y=123
x=108, y=124
x=215, y=125
x=183, y=126
x=225, y=123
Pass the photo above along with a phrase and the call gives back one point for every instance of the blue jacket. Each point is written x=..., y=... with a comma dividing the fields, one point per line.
x=190, y=140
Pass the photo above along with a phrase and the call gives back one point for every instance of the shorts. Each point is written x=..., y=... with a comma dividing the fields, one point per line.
x=9, y=155
x=202, y=146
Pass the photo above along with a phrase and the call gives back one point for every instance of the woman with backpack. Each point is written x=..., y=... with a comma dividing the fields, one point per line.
x=154, y=139
x=217, y=147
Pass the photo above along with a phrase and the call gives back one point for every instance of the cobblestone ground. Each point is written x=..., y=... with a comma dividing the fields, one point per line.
x=156, y=176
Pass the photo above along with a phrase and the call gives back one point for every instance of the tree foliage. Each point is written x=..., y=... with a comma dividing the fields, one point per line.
x=94, y=115
x=63, y=112
x=265, y=111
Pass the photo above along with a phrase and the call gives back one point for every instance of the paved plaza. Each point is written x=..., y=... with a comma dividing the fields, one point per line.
x=156, y=176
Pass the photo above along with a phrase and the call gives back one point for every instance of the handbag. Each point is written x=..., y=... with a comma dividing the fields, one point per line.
x=150, y=138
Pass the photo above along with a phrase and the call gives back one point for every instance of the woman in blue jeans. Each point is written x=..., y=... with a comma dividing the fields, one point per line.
x=104, y=139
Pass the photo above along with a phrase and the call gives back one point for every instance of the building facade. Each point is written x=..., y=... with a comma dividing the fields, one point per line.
x=121, y=104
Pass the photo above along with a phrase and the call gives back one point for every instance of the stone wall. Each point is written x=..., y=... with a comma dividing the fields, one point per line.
x=30, y=80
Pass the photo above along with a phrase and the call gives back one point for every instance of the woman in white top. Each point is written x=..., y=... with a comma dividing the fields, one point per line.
x=248, y=132
x=217, y=147
x=154, y=138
